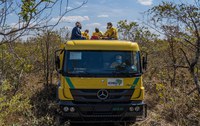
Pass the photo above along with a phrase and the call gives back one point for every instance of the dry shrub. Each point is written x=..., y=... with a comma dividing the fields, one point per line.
x=172, y=104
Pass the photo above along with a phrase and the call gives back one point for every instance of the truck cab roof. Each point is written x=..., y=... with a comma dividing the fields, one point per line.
x=100, y=45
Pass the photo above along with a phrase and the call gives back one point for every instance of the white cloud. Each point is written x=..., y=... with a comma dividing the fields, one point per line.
x=85, y=6
x=71, y=19
x=78, y=3
x=11, y=14
x=67, y=27
x=145, y=2
x=103, y=16
x=93, y=25
x=69, y=8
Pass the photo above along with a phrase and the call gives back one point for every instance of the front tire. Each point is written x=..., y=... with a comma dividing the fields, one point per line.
x=59, y=121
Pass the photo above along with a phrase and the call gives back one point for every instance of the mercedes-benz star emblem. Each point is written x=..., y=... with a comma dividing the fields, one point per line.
x=102, y=94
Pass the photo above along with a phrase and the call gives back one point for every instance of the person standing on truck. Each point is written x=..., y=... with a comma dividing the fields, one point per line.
x=86, y=34
x=76, y=32
x=97, y=34
x=111, y=32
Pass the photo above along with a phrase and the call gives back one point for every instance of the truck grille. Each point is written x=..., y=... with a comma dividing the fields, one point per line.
x=90, y=95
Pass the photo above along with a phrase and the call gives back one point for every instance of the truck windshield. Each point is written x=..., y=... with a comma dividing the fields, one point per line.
x=101, y=63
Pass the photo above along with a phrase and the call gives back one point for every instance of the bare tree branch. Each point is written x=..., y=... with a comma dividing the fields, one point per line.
x=184, y=53
x=36, y=19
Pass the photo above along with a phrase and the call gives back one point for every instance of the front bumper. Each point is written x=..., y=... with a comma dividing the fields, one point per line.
x=103, y=112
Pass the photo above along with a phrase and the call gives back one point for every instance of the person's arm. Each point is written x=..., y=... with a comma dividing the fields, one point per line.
x=88, y=37
x=106, y=34
x=101, y=34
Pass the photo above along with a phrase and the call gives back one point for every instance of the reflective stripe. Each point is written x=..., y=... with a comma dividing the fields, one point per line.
x=69, y=83
x=135, y=83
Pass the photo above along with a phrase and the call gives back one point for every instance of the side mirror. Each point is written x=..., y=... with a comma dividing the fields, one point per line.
x=144, y=62
x=57, y=63
x=57, y=60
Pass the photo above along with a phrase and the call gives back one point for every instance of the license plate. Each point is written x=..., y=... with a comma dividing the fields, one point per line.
x=102, y=108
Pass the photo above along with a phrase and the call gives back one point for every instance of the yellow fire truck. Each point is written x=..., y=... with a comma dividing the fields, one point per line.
x=100, y=81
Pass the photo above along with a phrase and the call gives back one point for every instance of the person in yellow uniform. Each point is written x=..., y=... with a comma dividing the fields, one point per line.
x=97, y=34
x=111, y=32
x=86, y=34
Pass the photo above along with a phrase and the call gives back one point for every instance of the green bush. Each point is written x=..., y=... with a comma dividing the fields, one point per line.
x=11, y=103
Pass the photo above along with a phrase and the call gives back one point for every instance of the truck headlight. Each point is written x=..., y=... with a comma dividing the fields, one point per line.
x=137, y=108
x=65, y=109
x=131, y=109
x=72, y=109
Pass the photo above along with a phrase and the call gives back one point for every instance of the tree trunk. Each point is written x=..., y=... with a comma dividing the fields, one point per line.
x=47, y=59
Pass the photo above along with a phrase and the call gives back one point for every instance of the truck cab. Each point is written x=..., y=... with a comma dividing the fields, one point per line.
x=100, y=81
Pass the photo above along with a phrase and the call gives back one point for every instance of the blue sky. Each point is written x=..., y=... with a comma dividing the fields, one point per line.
x=96, y=13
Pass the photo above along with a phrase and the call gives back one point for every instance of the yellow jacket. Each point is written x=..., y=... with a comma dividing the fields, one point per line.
x=97, y=34
x=111, y=33
x=86, y=35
